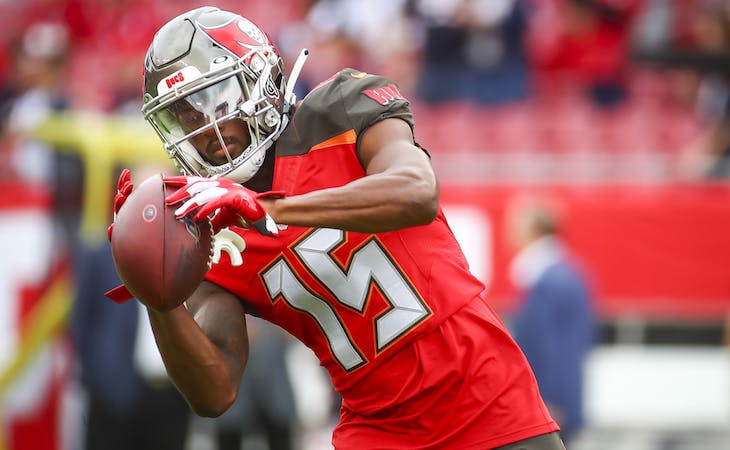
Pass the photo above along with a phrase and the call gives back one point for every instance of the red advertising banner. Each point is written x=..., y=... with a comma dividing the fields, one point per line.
x=655, y=251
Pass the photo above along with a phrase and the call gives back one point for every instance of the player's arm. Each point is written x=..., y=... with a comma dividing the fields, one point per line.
x=204, y=347
x=399, y=191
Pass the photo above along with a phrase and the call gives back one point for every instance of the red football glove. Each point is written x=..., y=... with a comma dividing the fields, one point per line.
x=124, y=188
x=233, y=204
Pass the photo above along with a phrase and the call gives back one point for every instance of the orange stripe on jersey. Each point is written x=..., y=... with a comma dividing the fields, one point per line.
x=348, y=137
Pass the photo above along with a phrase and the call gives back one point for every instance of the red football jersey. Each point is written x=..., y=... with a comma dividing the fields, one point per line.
x=357, y=299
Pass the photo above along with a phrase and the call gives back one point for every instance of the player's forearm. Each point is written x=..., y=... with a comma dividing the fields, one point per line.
x=373, y=204
x=194, y=364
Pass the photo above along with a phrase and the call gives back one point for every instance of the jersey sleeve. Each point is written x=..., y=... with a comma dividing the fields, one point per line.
x=368, y=99
x=349, y=101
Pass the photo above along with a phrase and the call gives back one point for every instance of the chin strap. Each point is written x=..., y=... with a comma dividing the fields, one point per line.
x=289, y=97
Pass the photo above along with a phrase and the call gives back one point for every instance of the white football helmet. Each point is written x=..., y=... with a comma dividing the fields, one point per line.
x=205, y=68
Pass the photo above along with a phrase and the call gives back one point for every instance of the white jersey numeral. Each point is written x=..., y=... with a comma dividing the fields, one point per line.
x=350, y=287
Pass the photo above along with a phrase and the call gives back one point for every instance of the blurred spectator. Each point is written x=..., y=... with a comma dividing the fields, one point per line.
x=265, y=405
x=7, y=140
x=130, y=402
x=587, y=42
x=370, y=36
x=654, y=25
x=709, y=157
x=555, y=323
x=472, y=50
x=37, y=91
x=117, y=40
x=704, y=56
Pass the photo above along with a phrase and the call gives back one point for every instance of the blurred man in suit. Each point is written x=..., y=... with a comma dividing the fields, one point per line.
x=555, y=323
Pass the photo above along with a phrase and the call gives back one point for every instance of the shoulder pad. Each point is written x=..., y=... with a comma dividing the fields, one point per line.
x=348, y=100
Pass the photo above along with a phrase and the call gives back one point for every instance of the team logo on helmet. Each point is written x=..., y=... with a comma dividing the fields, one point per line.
x=251, y=31
x=239, y=37
x=270, y=89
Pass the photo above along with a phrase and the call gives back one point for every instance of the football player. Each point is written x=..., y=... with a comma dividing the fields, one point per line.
x=346, y=248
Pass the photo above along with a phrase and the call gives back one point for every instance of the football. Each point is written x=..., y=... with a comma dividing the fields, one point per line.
x=160, y=259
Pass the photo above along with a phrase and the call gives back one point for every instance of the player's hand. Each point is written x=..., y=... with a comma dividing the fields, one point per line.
x=124, y=188
x=231, y=203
